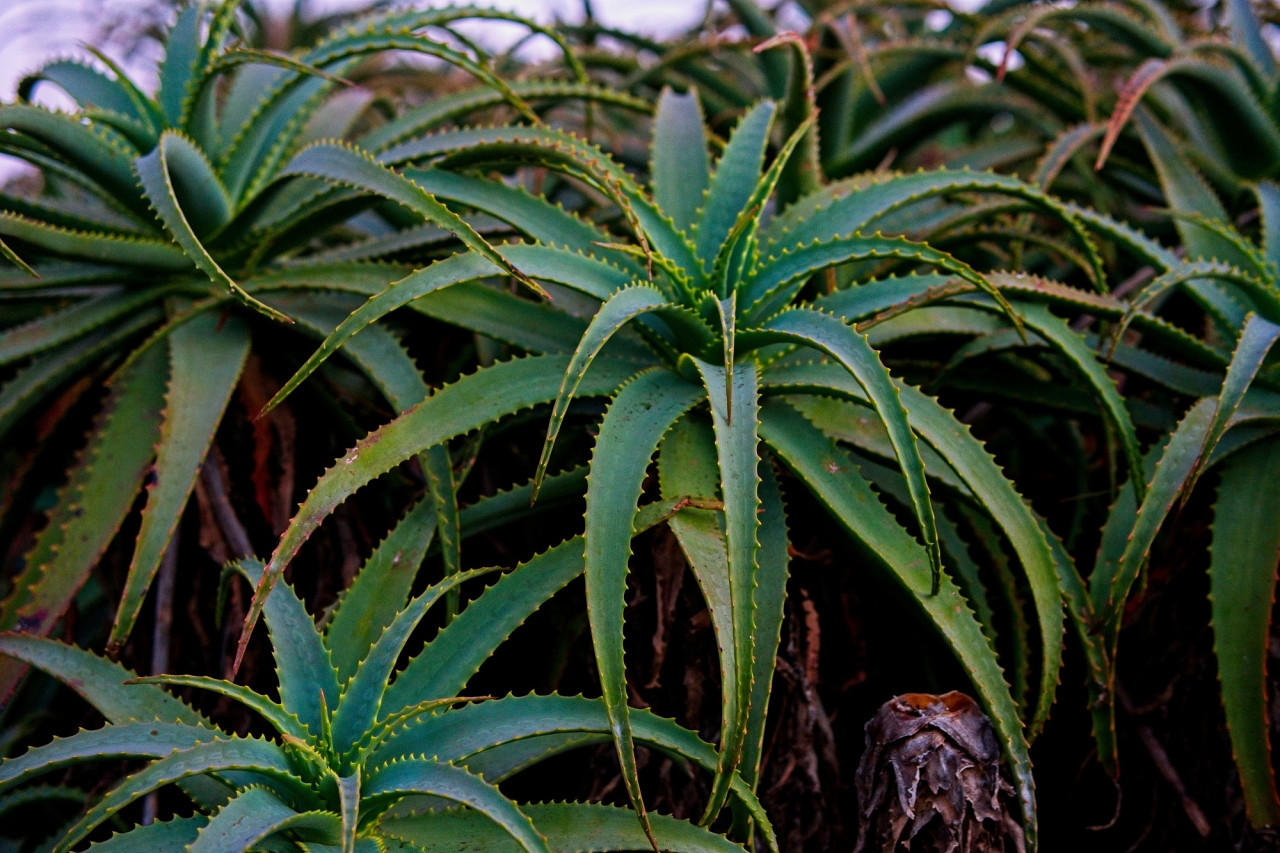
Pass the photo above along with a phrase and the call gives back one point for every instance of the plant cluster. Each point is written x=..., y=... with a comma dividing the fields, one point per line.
x=994, y=327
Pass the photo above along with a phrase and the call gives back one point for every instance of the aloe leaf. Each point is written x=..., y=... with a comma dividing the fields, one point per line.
x=13, y=258
x=182, y=52
x=564, y=152
x=824, y=468
x=771, y=284
x=98, y=681
x=1115, y=574
x=678, y=162
x=844, y=208
x=1268, y=195
x=45, y=372
x=688, y=466
x=449, y=660
x=543, y=221
x=852, y=351
x=101, y=246
x=567, y=826
x=93, y=504
x=734, y=402
x=620, y=308
x=1244, y=27
x=305, y=673
x=379, y=590
x=280, y=719
x=1069, y=344
x=170, y=836
x=1242, y=575
x=162, y=183
x=206, y=355
x=1047, y=577
x=83, y=147
x=153, y=739
x=472, y=730
x=360, y=704
x=736, y=175
x=214, y=756
x=256, y=814
x=468, y=404
x=641, y=412
x=932, y=107
x=1256, y=339
x=769, y=600
x=422, y=776
x=86, y=85
x=445, y=107
x=351, y=167
x=64, y=327
x=1186, y=192
x=504, y=506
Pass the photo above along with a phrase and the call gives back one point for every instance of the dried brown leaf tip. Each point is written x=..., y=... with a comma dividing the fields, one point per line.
x=930, y=780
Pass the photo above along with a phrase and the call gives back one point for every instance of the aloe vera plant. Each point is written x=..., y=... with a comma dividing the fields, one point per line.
x=166, y=251
x=355, y=762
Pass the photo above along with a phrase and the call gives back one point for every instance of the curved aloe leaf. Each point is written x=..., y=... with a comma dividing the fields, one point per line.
x=206, y=355
x=223, y=754
x=422, y=776
x=153, y=739
x=643, y=410
x=102, y=683
x=1242, y=575
x=305, y=674
x=349, y=166
x=254, y=815
x=468, y=404
x=360, y=704
x=826, y=471
x=91, y=506
x=678, y=162
x=620, y=308
x=852, y=351
x=734, y=403
x=567, y=826
x=379, y=590
x=161, y=173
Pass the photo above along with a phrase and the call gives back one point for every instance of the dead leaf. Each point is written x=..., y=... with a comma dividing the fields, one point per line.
x=930, y=780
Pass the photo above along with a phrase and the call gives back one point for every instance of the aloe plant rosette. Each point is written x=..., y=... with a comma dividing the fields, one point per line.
x=168, y=248
x=355, y=762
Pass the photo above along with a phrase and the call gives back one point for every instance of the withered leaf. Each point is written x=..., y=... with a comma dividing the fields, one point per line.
x=929, y=780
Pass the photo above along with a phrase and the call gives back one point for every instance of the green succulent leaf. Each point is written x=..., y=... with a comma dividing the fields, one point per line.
x=678, y=163
x=102, y=683
x=619, y=309
x=567, y=826
x=828, y=334
x=90, y=509
x=470, y=403
x=206, y=355
x=256, y=814
x=423, y=776
x=640, y=414
x=173, y=173
x=1242, y=573
x=734, y=403
x=307, y=679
